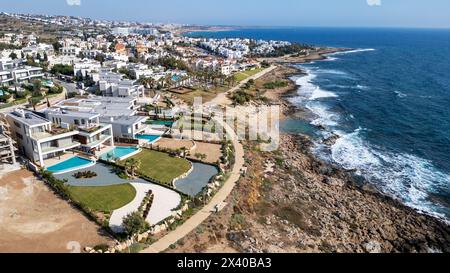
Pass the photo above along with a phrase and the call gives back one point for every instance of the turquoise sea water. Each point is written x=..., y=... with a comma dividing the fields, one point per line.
x=388, y=101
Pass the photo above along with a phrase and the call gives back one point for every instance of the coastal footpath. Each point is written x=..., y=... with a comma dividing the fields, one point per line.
x=290, y=201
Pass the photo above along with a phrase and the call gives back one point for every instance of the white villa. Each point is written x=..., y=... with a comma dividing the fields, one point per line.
x=38, y=138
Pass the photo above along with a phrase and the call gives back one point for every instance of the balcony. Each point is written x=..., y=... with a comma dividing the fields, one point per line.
x=93, y=129
x=96, y=143
x=53, y=134
x=55, y=149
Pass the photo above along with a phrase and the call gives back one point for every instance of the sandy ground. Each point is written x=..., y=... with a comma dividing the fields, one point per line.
x=174, y=144
x=34, y=219
x=212, y=151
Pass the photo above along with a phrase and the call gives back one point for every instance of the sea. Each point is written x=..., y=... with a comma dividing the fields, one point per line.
x=388, y=101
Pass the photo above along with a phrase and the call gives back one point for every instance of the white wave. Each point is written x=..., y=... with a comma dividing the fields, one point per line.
x=319, y=94
x=362, y=87
x=406, y=177
x=324, y=116
x=310, y=90
x=359, y=50
x=400, y=94
x=331, y=71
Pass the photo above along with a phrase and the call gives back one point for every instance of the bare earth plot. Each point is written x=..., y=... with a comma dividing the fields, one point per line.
x=34, y=219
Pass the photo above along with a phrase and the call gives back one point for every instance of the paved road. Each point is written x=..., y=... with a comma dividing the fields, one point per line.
x=219, y=198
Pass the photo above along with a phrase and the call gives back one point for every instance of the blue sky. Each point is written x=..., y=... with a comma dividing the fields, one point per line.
x=339, y=13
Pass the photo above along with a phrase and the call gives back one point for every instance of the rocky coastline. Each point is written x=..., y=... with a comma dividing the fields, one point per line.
x=292, y=202
x=379, y=222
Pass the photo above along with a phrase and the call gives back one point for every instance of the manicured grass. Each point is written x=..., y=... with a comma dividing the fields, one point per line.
x=161, y=166
x=240, y=76
x=103, y=199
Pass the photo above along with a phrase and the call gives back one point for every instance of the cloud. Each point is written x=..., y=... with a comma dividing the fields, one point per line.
x=374, y=3
x=73, y=2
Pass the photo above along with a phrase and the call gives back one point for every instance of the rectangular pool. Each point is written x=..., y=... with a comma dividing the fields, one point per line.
x=149, y=138
x=162, y=122
x=72, y=164
x=120, y=153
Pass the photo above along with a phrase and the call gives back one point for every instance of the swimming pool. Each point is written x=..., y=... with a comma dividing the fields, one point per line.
x=162, y=122
x=149, y=138
x=197, y=179
x=120, y=153
x=72, y=164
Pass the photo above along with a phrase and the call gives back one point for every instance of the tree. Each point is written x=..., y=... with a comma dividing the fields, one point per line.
x=57, y=46
x=131, y=165
x=200, y=156
x=62, y=69
x=37, y=85
x=13, y=55
x=134, y=223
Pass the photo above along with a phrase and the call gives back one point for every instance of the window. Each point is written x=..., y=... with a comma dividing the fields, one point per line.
x=77, y=122
x=19, y=136
x=18, y=125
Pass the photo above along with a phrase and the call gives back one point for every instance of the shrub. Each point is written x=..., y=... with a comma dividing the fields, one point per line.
x=276, y=84
x=86, y=174
x=134, y=223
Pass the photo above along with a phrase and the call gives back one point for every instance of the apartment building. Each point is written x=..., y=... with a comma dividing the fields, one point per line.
x=118, y=112
x=93, y=135
x=14, y=71
x=38, y=139
x=70, y=51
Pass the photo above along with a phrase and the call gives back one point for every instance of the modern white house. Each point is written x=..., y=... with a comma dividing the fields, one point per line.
x=121, y=88
x=93, y=135
x=70, y=51
x=13, y=71
x=86, y=67
x=38, y=139
x=127, y=126
x=120, y=113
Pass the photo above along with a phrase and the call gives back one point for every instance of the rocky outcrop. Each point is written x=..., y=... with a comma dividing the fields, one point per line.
x=315, y=207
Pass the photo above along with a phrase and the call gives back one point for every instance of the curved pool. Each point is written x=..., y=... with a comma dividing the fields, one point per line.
x=72, y=164
x=197, y=179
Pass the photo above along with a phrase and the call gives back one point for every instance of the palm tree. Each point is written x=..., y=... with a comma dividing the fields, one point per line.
x=131, y=165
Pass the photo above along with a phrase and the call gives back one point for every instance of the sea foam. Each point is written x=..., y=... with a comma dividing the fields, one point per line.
x=403, y=176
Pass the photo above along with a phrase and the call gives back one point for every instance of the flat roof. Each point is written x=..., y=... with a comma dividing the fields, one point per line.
x=29, y=117
x=125, y=120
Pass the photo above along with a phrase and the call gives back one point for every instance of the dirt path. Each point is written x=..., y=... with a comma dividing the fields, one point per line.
x=222, y=98
x=203, y=214
x=183, y=230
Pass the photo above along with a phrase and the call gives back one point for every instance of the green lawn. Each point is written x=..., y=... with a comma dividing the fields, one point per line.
x=161, y=166
x=240, y=76
x=104, y=199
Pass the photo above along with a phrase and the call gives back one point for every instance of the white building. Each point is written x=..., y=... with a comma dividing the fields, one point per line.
x=37, y=138
x=86, y=68
x=70, y=51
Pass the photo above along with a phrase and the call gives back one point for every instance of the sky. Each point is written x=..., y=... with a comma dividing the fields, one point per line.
x=319, y=13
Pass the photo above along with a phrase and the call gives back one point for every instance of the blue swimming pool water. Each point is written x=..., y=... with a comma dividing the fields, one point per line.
x=72, y=163
x=149, y=138
x=162, y=122
x=119, y=152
